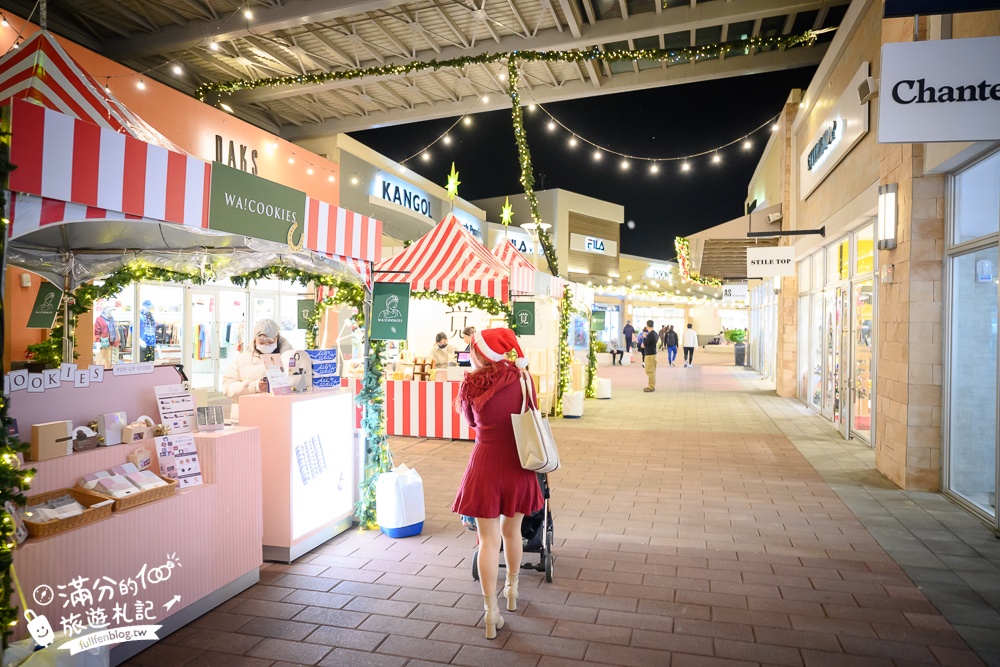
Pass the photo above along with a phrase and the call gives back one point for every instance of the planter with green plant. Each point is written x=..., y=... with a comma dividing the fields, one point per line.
x=737, y=337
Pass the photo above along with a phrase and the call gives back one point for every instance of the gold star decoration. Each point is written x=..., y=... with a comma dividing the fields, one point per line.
x=506, y=213
x=453, y=183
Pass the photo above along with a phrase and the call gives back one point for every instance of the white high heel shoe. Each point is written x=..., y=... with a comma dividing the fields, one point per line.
x=510, y=590
x=493, y=619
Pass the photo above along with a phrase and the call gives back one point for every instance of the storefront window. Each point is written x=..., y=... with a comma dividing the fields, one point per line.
x=818, y=275
x=816, y=355
x=805, y=268
x=973, y=391
x=802, y=382
x=977, y=201
x=861, y=415
x=838, y=259
x=159, y=326
x=864, y=250
x=117, y=313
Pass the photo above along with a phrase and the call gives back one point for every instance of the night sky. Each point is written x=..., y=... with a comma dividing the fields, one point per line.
x=660, y=122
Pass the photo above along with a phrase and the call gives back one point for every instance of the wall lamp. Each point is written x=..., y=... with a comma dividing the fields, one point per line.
x=887, y=216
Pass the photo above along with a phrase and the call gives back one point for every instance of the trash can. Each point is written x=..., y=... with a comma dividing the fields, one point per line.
x=740, y=350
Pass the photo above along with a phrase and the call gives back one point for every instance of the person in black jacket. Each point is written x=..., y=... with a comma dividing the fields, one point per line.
x=628, y=331
x=671, y=342
x=649, y=357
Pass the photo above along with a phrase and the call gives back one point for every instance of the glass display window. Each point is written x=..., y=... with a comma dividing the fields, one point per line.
x=116, y=314
x=862, y=335
x=864, y=250
x=805, y=273
x=838, y=261
x=159, y=324
x=818, y=274
x=816, y=352
x=802, y=357
x=977, y=201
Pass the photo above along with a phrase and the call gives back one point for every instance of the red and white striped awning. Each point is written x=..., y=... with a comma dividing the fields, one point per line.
x=40, y=70
x=447, y=259
x=522, y=272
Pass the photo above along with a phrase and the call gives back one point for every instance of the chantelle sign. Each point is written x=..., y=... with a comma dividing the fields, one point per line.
x=839, y=132
x=941, y=90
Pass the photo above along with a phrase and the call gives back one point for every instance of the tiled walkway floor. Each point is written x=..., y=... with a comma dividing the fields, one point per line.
x=708, y=523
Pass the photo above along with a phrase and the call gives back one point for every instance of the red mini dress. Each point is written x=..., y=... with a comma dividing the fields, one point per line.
x=494, y=482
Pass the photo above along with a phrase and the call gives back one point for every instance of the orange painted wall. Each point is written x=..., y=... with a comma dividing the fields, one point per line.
x=17, y=308
x=192, y=125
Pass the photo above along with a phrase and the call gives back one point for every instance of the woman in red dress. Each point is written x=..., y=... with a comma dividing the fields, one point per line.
x=495, y=488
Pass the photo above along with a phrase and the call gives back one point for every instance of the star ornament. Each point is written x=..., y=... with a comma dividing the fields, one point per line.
x=453, y=183
x=506, y=213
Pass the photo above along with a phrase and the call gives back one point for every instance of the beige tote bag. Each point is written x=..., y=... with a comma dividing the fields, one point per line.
x=535, y=444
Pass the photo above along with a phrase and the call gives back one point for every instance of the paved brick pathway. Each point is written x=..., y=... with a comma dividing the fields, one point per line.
x=689, y=531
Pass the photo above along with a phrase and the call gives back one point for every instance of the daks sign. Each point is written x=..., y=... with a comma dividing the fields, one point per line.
x=941, y=90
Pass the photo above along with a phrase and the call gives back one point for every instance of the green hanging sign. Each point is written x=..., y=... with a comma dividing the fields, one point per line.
x=241, y=203
x=305, y=311
x=390, y=310
x=597, y=320
x=43, y=313
x=524, y=317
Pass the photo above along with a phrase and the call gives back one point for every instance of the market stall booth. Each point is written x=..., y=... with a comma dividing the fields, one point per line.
x=453, y=280
x=99, y=193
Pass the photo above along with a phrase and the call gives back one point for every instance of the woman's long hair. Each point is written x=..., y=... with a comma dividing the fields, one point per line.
x=481, y=384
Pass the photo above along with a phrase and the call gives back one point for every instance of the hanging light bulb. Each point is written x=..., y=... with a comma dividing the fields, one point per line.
x=354, y=180
x=716, y=159
x=225, y=107
x=502, y=76
x=425, y=156
x=247, y=13
x=747, y=145
x=141, y=85
x=531, y=107
x=177, y=69
x=446, y=139
x=213, y=45
x=3, y=21
x=331, y=178
x=291, y=160
x=486, y=99
x=685, y=166
x=775, y=127
x=467, y=120
x=597, y=155
x=572, y=142
x=309, y=171
x=552, y=126
x=654, y=168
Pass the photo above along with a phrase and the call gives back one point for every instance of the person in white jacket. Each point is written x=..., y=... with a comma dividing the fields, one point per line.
x=690, y=342
x=246, y=374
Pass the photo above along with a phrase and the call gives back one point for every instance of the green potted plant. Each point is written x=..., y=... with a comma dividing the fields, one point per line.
x=736, y=337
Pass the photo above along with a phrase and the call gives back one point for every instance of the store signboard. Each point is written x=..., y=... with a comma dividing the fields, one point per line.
x=46, y=307
x=597, y=320
x=390, y=310
x=304, y=313
x=659, y=272
x=770, y=262
x=522, y=242
x=940, y=90
x=524, y=317
x=734, y=293
x=470, y=222
x=397, y=191
x=841, y=129
x=241, y=203
x=593, y=244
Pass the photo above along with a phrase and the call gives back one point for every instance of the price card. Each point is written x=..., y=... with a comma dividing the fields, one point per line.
x=178, y=457
x=176, y=406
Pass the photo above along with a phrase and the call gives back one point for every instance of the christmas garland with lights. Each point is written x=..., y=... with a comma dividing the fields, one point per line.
x=14, y=480
x=683, y=248
x=515, y=59
x=378, y=458
x=489, y=304
x=565, y=358
x=591, y=362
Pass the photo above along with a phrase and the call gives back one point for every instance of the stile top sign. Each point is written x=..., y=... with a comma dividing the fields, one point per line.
x=770, y=262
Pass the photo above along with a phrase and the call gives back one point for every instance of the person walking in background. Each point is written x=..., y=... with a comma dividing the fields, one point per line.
x=615, y=350
x=628, y=331
x=650, y=343
x=495, y=489
x=690, y=342
x=663, y=336
x=671, y=341
x=640, y=339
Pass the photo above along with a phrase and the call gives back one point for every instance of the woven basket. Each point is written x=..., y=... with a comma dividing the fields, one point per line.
x=83, y=496
x=142, y=497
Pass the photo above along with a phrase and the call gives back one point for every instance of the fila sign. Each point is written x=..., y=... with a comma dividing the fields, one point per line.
x=940, y=90
x=593, y=244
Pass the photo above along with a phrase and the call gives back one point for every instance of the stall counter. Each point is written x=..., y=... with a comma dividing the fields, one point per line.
x=420, y=409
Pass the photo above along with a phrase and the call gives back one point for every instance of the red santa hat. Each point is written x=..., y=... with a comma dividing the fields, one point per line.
x=494, y=344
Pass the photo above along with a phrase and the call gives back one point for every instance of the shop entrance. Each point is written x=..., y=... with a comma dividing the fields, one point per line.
x=217, y=320
x=836, y=308
x=862, y=322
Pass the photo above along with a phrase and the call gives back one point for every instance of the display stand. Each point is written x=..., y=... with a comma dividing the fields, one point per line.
x=213, y=530
x=309, y=468
x=422, y=369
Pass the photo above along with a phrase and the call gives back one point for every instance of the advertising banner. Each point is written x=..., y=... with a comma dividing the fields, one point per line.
x=524, y=317
x=241, y=203
x=597, y=320
x=43, y=313
x=733, y=293
x=770, y=262
x=390, y=310
x=941, y=90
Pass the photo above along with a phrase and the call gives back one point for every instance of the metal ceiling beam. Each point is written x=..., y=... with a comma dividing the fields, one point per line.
x=572, y=15
x=675, y=75
x=671, y=20
x=290, y=14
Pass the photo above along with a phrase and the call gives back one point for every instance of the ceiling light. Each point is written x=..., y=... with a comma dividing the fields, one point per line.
x=177, y=69
x=214, y=46
x=331, y=179
x=248, y=14
x=685, y=166
x=654, y=168
x=552, y=126
x=17, y=44
x=107, y=88
x=3, y=21
x=572, y=142
x=468, y=120
x=291, y=160
x=531, y=107
x=503, y=76
x=425, y=156
x=274, y=145
x=486, y=99
x=309, y=171
x=597, y=155
x=141, y=85
x=447, y=139
x=624, y=165
x=747, y=145
x=629, y=277
x=774, y=128
x=716, y=158
x=354, y=180
x=228, y=109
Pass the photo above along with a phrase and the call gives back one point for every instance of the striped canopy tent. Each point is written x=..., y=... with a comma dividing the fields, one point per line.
x=97, y=187
x=522, y=272
x=448, y=259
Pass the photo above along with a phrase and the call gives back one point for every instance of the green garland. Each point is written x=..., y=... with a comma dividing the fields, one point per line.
x=378, y=458
x=683, y=248
x=591, y=364
x=514, y=60
x=565, y=358
x=14, y=480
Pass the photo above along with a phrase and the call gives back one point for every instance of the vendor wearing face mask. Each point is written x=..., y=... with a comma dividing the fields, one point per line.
x=246, y=374
x=442, y=352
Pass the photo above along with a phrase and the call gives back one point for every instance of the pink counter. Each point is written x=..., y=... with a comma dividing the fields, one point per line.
x=420, y=409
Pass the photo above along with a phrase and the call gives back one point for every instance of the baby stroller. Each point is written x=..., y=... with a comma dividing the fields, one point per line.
x=536, y=536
